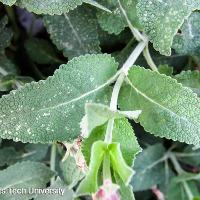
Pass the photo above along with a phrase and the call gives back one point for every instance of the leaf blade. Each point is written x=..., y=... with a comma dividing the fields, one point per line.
x=162, y=115
x=78, y=35
x=52, y=116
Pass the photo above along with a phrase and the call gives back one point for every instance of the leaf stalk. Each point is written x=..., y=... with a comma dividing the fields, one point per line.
x=118, y=84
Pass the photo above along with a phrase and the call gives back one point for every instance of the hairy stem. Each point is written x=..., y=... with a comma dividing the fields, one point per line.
x=53, y=160
x=179, y=170
x=135, y=32
x=149, y=59
x=123, y=73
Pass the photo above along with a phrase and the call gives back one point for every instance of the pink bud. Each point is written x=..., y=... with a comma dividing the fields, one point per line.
x=108, y=191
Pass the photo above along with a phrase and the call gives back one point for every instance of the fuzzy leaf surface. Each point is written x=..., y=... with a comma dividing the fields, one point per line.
x=168, y=109
x=162, y=19
x=67, y=195
x=122, y=133
x=89, y=185
x=75, y=33
x=149, y=168
x=41, y=51
x=190, y=79
x=99, y=114
x=111, y=22
x=188, y=41
x=8, y=2
x=50, y=7
x=24, y=175
x=47, y=111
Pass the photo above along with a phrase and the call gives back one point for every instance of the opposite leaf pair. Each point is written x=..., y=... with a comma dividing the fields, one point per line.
x=112, y=157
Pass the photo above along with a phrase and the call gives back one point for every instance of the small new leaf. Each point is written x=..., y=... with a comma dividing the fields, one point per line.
x=118, y=163
x=98, y=114
x=90, y=184
x=122, y=133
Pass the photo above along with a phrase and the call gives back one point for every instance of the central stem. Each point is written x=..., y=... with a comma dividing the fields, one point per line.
x=124, y=72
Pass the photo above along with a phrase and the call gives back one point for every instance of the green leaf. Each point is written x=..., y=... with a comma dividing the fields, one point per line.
x=178, y=191
x=131, y=12
x=31, y=152
x=162, y=19
x=52, y=116
x=41, y=51
x=149, y=168
x=165, y=69
x=5, y=34
x=8, y=2
x=111, y=22
x=189, y=156
x=50, y=7
x=113, y=151
x=126, y=192
x=118, y=163
x=8, y=155
x=71, y=172
x=24, y=175
x=64, y=192
x=122, y=133
x=97, y=5
x=190, y=79
x=99, y=114
x=34, y=152
x=78, y=34
x=90, y=184
x=186, y=176
x=115, y=22
x=163, y=103
x=188, y=41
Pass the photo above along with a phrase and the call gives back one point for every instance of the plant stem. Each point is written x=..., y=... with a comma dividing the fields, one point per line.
x=115, y=93
x=106, y=167
x=134, y=55
x=123, y=73
x=135, y=32
x=53, y=161
x=180, y=171
x=149, y=59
